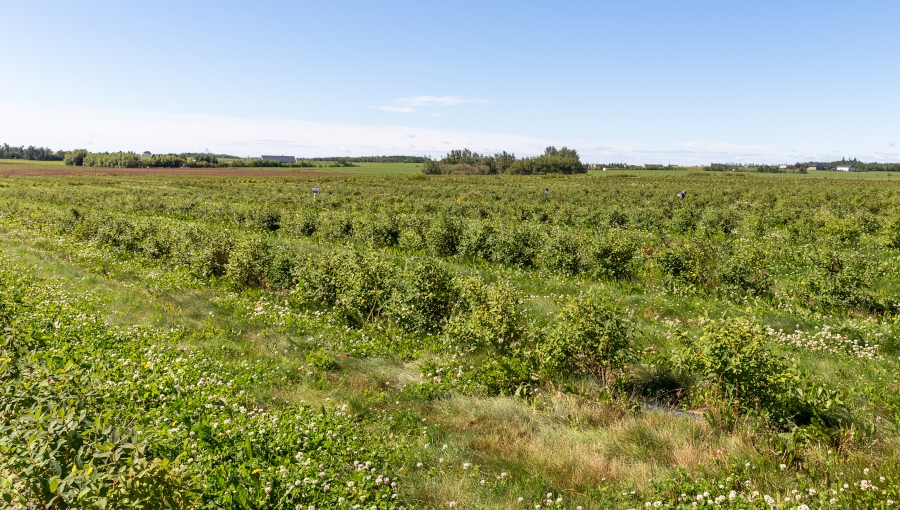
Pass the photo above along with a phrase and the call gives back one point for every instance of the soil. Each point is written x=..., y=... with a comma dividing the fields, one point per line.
x=209, y=172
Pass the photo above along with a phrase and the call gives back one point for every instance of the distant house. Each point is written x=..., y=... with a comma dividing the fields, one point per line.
x=782, y=167
x=147, y=153
x=846, y=168
x=280, y=159
x=816, y=166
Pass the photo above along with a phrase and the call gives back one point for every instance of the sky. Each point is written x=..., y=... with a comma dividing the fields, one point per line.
x=671, y=82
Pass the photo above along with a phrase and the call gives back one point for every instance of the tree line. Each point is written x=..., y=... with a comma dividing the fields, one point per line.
x=81, y=157
x=466, y=162
x=31, y=153
x=801, y=167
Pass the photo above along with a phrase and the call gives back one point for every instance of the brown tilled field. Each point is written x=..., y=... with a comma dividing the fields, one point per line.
x=211, y=172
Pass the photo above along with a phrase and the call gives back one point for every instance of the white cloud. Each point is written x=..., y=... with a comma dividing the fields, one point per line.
x=412, y=103
x=400, y=109
x=410, y=135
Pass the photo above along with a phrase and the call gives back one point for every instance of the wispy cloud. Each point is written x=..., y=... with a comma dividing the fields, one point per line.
x=410, y=135
x=413, y=103
x=269, y=143
x=400, y=109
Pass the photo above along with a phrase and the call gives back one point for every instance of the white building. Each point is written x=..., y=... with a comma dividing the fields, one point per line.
x=846, y=168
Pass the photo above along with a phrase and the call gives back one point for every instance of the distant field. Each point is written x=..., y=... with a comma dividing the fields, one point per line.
x=23, y=163
x=818, y=174
x=373, y=169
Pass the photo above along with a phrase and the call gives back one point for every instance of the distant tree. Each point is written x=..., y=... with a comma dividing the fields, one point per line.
x=75, y=158
x=30, y=153
x=553, y=161
x=431, y=167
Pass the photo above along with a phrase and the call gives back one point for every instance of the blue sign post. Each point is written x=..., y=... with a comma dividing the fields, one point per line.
x=315, y=193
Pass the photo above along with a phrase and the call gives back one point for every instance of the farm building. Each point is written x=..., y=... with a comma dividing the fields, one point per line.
x=816, y=166
x=846, y=168
x=147, y=153
x=280, y=159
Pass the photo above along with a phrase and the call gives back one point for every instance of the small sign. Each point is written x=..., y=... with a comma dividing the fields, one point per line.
x=315, y=192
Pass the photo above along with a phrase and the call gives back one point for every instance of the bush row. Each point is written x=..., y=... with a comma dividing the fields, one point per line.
x=485, y=323
x=824, y=279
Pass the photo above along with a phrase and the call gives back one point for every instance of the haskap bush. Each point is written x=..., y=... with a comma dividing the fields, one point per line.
x=250, y=262
x=442, y=237
x=589, y=337
x=490, y=318
x=732, y=365
x=475, y=240
x=745, y=272
x=562, y=252
x=424, y=298
x=610, y=256
x=515, y=245
x=365, y=283
x=378, y=230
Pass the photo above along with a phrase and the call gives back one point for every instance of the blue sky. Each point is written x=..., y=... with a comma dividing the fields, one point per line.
x=638, y=81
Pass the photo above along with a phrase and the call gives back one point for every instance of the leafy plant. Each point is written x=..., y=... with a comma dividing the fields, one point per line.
x=590, y=337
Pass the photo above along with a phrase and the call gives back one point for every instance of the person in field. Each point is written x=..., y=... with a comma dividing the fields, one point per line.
x=681, y=194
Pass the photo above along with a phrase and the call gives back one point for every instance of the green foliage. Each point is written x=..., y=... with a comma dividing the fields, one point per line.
x=563, y=253
x=590, y=337
x=745, y=272
x=609, y=257
x=378, y=230
x=111, y=160
x=553, y=161
x=424, y=298
x=476, y=239
x=164, y=161
x=431, y=167
x=366, y=284
x=442, y=237
x=322, y=359
x=249, y=262
x=207, y=251
x=31, y=153
x=515, y=245
x=336, y=226
x=683, y=263
x=490, y=318
x=733, y=366
x=266, y=218
x=99, y=417
x=75, y=158
x=319, y=280
x=302, y=223
x=839, y=280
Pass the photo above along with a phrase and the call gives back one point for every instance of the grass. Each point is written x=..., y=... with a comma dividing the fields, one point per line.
x=22, y=163
x=575, y=442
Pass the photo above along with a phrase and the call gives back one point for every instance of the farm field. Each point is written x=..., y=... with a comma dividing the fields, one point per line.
x=9, y=167
x=24, y=163
x=404, y=341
